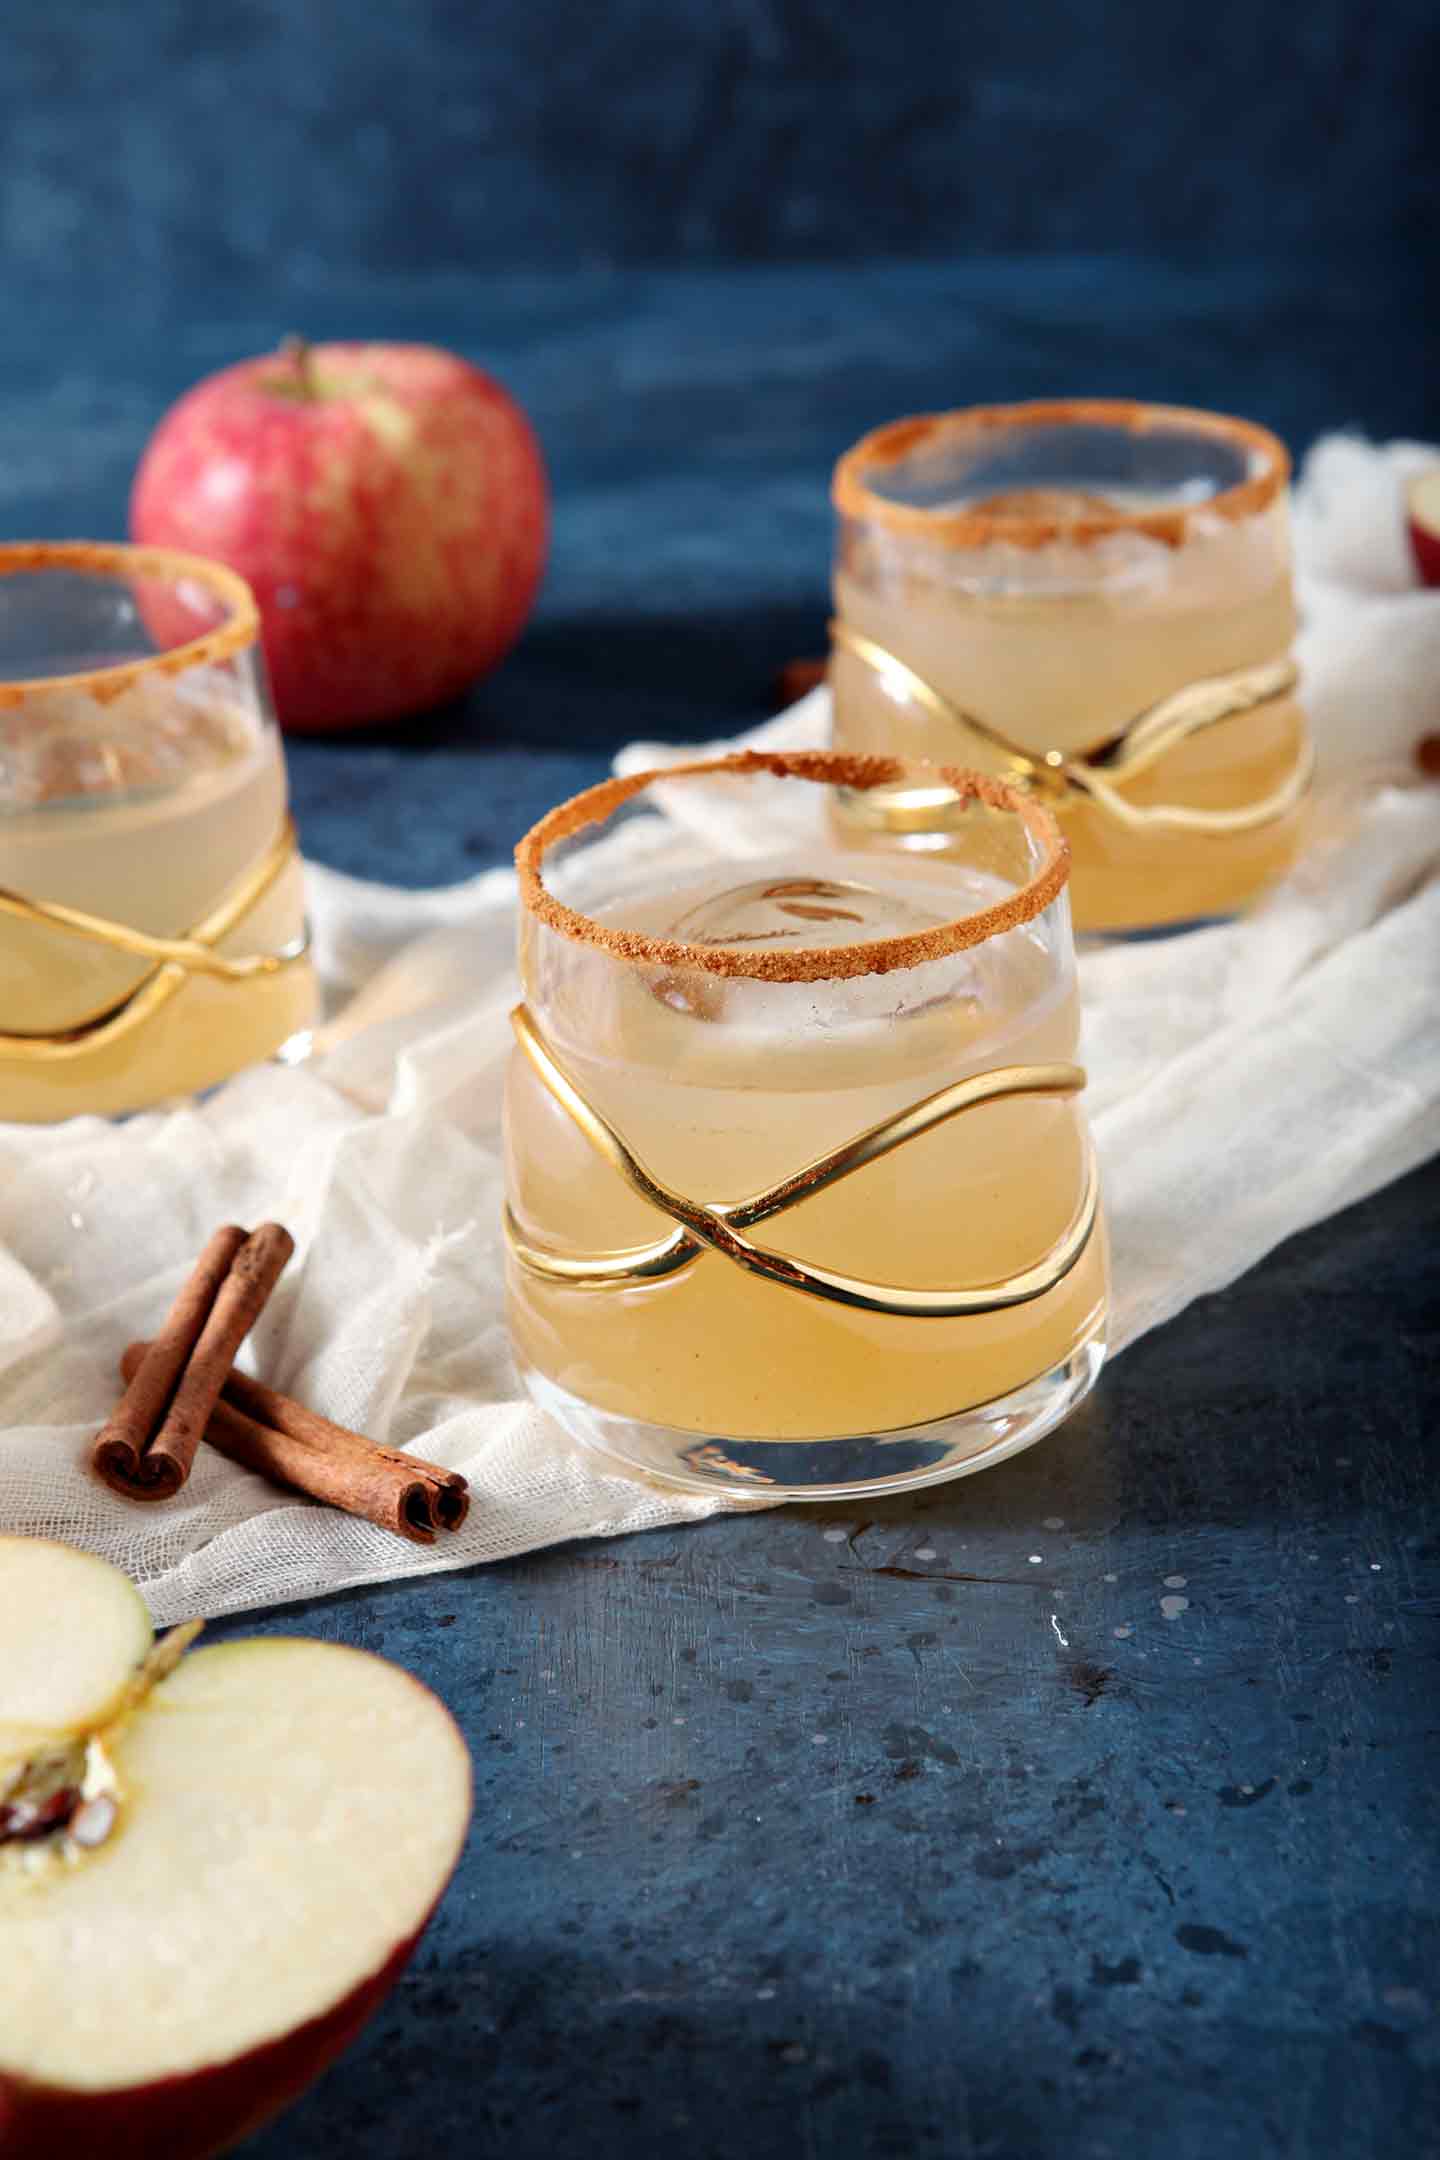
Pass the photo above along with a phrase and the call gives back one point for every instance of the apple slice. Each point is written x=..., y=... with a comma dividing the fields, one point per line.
x=1422, y=501
x=67, y=1676
x=228, y=1871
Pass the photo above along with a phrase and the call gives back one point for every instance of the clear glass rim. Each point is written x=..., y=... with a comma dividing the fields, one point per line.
x=238, y=628
x=815, y=963
x=975, y=526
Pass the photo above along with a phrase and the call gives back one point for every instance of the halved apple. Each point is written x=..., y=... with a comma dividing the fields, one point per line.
x=213, y=1865
x=1422, y=502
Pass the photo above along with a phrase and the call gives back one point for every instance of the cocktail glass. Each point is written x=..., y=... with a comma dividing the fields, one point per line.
x=152, y=927
x=1093, y=600
x=801, y=1196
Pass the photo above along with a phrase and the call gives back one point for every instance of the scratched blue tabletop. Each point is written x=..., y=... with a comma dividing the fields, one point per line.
x=1085, y=1808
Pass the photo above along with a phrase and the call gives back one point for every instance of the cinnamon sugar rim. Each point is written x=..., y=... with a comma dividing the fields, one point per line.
x=814, y=963
x=98, y=558
x=976, y=525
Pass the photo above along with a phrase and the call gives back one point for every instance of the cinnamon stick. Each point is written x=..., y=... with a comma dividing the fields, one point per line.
x=147, y=1449
x=282, y=1440
x=125, y=1456
x=797, y=679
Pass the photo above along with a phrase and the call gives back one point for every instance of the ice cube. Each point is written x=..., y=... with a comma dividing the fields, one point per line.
x=799, y=910
x=73, y=752
x=794, y=908
x=1057, y=506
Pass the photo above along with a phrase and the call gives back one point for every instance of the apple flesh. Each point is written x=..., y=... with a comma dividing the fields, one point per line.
x=386, y=503
x=1422, y=501
x=66, y=1677
x=277, y=1819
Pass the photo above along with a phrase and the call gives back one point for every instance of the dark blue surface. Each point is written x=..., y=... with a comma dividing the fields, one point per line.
x=807, y=1833
x=824, y=1832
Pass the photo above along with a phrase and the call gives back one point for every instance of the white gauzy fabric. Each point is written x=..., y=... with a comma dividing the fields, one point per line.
x=1245, y=1081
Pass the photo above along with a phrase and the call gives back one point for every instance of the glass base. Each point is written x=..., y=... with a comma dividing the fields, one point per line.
x=840, y=1469
x=1149, y=934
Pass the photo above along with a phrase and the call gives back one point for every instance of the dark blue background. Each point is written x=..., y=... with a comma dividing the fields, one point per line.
x=156, y=146
x=894, y=1841
x=706, y=245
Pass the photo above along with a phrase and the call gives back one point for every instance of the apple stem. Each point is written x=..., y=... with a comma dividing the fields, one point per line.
x=158, y=1665
x=297, y=350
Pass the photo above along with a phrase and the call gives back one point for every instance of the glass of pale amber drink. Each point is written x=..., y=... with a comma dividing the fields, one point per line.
x=1094, y=600
x=801, y=1196
x=152, y=929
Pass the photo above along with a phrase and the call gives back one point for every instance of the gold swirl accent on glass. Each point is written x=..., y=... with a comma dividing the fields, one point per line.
x=1138, y=746
x=719, y=1226
x=173, y=959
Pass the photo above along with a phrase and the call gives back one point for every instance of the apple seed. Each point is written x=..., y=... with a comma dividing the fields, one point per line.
x=20, y=1819
x=93, y=1820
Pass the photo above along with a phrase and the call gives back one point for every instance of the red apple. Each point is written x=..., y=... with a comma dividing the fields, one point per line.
x=1422, y=500
x=387, y=503
x=213, y=1866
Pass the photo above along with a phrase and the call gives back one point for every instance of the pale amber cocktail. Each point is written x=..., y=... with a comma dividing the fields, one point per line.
x=152, y=930
x=1095, y=600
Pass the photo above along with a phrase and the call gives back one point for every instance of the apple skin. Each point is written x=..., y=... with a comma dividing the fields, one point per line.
x=194, y=2117
x=386, y=503
x=1425, y=547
